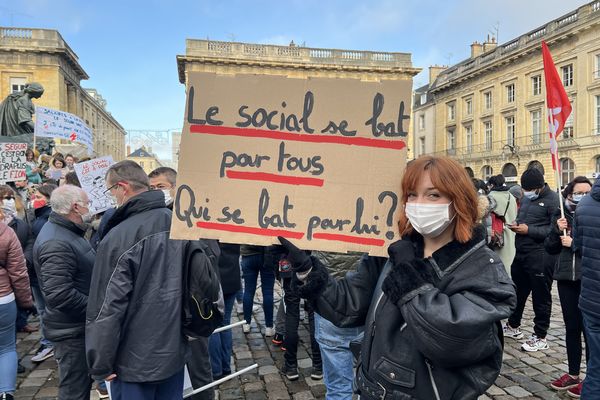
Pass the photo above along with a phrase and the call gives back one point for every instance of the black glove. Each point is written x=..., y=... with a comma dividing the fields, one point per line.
x=404, y=278
x=401, y=251
x=299, y=260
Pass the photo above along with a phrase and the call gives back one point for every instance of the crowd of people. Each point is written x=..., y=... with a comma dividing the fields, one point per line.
x=427, y=322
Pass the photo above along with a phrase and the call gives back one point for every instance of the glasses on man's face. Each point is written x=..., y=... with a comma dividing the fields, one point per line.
x=8, y=197
x=580, y=193
x=111, y=188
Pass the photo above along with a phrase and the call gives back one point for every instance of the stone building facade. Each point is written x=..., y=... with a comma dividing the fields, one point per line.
x=42, y=55
x=490, y=110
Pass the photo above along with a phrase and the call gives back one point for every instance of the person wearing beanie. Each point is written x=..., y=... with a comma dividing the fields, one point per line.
x=532, y=267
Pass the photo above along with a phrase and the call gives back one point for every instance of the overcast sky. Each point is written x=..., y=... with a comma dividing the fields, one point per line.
x=128, y=48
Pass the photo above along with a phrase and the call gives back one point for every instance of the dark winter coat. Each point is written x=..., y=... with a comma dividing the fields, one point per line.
x=134, y=314
x=63, y=261
x=587, y=241
x=229, y=268
x=442, y=339
x=568, y=262
x=41, y=217
x=537, y=215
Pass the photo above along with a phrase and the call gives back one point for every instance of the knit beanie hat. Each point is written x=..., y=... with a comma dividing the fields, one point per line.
x=532, y=179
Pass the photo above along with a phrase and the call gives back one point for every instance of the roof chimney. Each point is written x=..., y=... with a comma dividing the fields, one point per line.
x=476, y=49
x=489, y=44
x=434, y=71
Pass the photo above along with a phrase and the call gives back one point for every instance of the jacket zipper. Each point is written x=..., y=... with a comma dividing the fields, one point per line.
x=435, y=389
x=573, y=266
x=373, y=329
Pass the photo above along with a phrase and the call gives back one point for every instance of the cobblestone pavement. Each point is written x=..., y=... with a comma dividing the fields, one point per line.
x=524, y=375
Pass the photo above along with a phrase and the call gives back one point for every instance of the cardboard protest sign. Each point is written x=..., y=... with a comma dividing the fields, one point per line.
x=62, y=125
x=315, y=160
x=91, y=176
x=12, y=162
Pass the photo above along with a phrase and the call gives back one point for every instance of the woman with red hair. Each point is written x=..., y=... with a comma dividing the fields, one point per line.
x=432, y=310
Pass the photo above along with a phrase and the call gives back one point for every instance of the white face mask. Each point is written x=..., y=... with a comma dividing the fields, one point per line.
x=429, y=220
x=168, y=198
x=10, y=204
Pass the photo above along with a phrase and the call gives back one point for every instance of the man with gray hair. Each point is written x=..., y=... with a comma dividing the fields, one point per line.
x=134, y=333
x=63, y=261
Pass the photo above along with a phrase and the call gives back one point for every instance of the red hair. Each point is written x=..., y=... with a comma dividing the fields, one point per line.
x=451, y=179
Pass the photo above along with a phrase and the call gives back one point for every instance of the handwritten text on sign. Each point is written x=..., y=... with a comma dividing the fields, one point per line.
x=316, y=160
x=62, y=125
x=12, y=162
x=91, y=175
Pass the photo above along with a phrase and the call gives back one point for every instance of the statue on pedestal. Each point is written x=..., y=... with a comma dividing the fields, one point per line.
x=16, y=123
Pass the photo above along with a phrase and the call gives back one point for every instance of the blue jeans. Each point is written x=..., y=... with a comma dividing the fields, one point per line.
x=220, y=344
x=338, y=360
x=8, y=347
x=169, y=389
x=251, y=267
x=591, y=385
x=40, y=305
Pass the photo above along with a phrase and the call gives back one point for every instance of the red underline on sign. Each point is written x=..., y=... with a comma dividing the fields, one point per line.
x=250, y=230
x=349, y=239
x=305, y=137
x=264, y=176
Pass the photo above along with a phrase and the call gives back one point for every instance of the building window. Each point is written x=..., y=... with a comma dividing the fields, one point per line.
x=451, y=140
x=421, y=121
x=421, y=146
x=486, y=172
x=567, y=132
x=469, y=106
x=488, y=135
x=451, y=112
x=567, y=75
x=510, y=93
x=536, y=85
x=567, y=169
x=536, y=119
x=487, y=100
x=597, y=67
x=510, y=130
x=17, y=84
x=597, y=164
x=537, y=165
x=597, y=127
x=469, y=134
x=423, y=98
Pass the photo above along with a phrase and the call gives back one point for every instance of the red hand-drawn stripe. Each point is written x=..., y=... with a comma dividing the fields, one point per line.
x=250, y=230
x=305, y=137
x=264, y=176
x=349, y=239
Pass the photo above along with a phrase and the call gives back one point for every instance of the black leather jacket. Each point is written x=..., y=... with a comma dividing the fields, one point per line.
x=442, y=340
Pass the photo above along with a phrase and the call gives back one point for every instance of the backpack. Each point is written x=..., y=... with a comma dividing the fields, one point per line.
x=496, y=240
x=202, y=305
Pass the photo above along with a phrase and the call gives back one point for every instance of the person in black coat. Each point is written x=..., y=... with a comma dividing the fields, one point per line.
x=567, y=274
x=432, y=310
x=41, y=208
x=64, y=261
x=532, y=267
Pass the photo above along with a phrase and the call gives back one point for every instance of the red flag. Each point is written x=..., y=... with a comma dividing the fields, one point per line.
x=557, y=101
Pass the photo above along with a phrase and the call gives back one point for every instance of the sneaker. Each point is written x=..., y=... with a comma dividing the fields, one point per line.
x=102, y=392
x=565, y=382
x=513, y=333
x=575, y=391
x=269, y=332
x=6, y=396
x=277, y=339
x=535, y=344
x=246, y=328
x=290, y=372
x=316, y=374
x=44, y=353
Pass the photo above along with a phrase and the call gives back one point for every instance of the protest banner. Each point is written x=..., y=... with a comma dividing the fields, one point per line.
x=12, y=162
x=91, y=176
x=62, y=125
x=316, y=160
